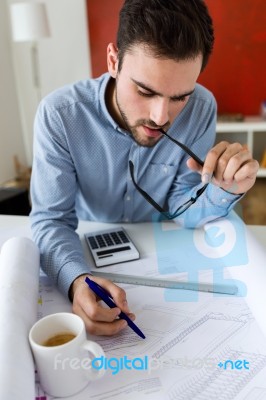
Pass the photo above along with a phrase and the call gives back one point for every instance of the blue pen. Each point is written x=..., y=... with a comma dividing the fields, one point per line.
x=107, y=298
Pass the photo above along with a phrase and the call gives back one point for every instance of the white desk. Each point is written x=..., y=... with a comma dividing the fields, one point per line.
x=206, y=325
x=142, y=235
x=10, y=224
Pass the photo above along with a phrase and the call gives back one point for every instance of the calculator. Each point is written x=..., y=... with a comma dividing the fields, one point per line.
x=111, y=246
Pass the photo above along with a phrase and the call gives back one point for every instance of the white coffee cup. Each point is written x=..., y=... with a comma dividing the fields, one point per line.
x=64, y=369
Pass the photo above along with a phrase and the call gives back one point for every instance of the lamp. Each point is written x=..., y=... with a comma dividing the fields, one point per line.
x=29, y=23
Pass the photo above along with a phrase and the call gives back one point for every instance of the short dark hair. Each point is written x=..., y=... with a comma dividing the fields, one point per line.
x=174, y=29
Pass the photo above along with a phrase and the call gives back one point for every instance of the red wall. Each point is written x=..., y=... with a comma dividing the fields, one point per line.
x=236, y=72
x=103, y=23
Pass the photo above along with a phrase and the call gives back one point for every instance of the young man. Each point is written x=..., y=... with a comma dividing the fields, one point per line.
x=88, y=134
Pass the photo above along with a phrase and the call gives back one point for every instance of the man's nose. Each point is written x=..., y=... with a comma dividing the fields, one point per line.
x=159, y=112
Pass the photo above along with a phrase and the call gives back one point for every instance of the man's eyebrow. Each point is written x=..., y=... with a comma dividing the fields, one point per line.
x=152, y=91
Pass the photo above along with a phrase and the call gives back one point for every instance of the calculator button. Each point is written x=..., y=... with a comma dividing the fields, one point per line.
x=123, y=237
x=108, y=239
x=116, y=238
x=100, y=240
x=93, y=242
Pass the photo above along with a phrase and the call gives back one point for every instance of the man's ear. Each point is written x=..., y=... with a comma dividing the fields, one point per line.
x=112, y=59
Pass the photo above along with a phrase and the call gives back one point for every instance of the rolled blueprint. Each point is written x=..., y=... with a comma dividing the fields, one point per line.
x=19, y=278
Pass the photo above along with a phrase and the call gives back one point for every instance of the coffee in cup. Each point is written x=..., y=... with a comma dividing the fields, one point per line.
x=63, y=355
x=60, y=338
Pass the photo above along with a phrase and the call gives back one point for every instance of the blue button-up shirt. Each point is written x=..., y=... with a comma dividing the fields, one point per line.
x=81, y=171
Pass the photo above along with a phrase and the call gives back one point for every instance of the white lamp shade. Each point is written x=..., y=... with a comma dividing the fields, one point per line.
x=29, y=21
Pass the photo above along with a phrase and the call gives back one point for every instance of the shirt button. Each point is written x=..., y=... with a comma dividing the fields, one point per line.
x=128, y=198
x=224, y=201
x=165, y=169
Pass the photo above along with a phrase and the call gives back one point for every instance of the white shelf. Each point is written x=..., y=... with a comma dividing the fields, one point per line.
x=253, y=124
x=261, y=173
x=252, y=131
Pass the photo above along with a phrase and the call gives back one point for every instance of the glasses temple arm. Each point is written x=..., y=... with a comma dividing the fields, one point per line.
x=185, y=148
x=144, y=194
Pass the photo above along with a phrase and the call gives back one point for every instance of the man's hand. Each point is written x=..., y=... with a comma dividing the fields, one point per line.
x=229, y=166
x=99, y=319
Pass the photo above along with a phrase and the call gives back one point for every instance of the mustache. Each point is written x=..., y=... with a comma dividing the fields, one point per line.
x=151, y=124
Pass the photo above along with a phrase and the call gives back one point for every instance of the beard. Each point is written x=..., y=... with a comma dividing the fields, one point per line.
x=141, y=140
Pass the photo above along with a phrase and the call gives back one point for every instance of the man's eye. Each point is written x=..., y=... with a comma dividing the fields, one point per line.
x=182, y=99
x=144, y=94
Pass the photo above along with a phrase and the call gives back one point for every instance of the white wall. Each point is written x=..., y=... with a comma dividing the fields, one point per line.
x=64, y=58
x=11, y=140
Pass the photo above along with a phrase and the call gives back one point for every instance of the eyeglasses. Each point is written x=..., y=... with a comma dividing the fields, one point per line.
x=184, y=206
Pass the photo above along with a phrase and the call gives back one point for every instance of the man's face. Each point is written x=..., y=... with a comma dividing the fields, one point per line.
x=150, y=92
